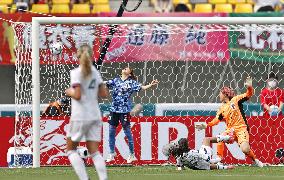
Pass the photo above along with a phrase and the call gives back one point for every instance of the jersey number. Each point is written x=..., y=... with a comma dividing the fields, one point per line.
x=92, y=84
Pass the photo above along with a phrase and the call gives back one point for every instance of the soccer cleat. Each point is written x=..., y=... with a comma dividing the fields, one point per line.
x=258, y=163
x=110, y=157
x=131, y=158
x=180, y=168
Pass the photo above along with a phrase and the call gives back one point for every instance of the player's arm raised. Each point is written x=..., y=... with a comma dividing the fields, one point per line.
x=153, y=83
x=249, y=92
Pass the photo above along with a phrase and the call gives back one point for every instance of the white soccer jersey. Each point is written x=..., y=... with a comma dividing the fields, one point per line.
x=87, y=108
x=196, y=159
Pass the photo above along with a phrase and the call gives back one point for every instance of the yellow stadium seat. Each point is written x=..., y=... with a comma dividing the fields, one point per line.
x=101, y=8
x=223, y=8
x=4, y=8
x=6, y=1
x=60, y=8
x=40, y=8
x=13, y=8
x=81, y=9
x=60, y=1
x=203, y=8
x=236, y=1
x=243, y=8
x=175, y=2
x=217, y=1
x=250, y=2
x=100, y=1
x=189, y=7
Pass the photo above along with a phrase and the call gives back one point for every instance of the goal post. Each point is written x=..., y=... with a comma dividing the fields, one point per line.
x=37, y=21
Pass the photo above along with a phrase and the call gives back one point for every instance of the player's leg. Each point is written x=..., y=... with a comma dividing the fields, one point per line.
x=113, y=123
x=243, y=140
x=220, y=166
x=220, y=150
x=207, y=150
x=74, y=135
x=125, y=122
x=93, y=138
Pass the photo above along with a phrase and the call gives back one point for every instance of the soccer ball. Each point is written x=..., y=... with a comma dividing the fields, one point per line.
x=82, y=151
x=274, y=111
x=56, y=48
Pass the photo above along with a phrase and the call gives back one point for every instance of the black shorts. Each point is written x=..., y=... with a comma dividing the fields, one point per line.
x=115, y=118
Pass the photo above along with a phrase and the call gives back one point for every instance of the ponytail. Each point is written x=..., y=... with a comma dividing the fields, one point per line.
x=85, y=60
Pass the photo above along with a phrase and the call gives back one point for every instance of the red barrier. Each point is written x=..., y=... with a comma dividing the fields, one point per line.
x=150, y=134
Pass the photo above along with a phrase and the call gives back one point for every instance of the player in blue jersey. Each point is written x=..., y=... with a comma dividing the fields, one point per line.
x=122, y=88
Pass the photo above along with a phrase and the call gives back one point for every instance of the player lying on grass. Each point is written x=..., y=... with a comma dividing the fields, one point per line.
x=194, y=159
x=232, y=112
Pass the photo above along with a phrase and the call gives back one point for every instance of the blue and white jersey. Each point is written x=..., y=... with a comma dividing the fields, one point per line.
x=121, y=93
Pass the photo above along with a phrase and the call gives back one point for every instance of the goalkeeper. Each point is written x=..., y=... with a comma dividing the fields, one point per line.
x=233, y=114
x=194, y=159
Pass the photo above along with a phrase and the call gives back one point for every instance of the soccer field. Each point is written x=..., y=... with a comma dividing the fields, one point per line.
x=147, y=173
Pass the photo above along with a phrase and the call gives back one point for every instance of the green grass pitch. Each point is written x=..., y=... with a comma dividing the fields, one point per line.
x=145, y=173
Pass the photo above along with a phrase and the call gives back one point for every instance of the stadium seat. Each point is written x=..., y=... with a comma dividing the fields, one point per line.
x=236, y=1
x=250, y=2
x=101, y=8
x=41, y=8
x=243, y=8
x=217, y=1
x=6, y=1
x=60, y=8
x=99, y=1
x=223, y=8
x=13, y=8
x=60, y=1
x=203, y=8
x=189, y=7
x=175, y=2
x=81, y=9
x=4, y=8
x=198, y=1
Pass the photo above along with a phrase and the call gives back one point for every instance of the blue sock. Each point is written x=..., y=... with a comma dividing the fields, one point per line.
x=112, y=131
x=127, y=132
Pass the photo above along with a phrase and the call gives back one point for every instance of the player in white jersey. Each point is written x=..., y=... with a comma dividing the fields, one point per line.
x=86, y=121
x=194, y=159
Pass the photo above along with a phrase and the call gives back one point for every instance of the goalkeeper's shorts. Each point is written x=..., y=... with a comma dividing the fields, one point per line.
x=240, y=135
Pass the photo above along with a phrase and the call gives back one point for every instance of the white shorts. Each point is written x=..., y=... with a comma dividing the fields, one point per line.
x=90, y=130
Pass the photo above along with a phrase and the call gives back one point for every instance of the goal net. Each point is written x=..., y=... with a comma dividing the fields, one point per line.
x=190, y=61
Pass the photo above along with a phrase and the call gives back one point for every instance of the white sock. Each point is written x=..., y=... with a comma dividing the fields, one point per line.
x=221, y=138
x=78, y=165
x=100, y=165
x=220, y=166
